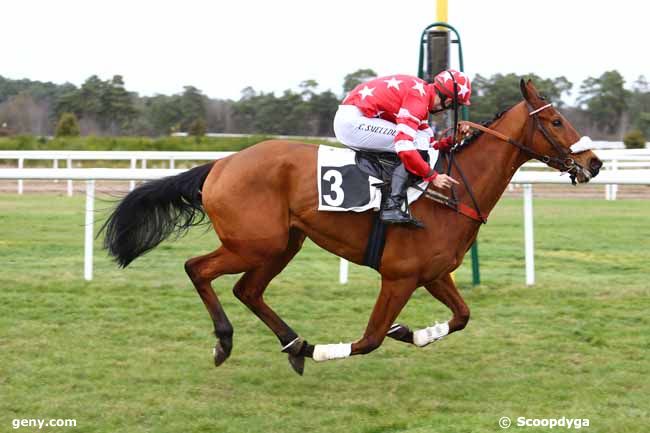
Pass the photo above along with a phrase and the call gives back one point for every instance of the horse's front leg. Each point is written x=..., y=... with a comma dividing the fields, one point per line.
x=444, y=290
x=393, y=296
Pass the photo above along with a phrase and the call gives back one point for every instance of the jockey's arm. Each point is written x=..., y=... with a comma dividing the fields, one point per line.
x=414, y=163
x=407, y=127
x=412, y=159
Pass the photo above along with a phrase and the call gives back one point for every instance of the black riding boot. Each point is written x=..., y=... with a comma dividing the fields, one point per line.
x=392, y=212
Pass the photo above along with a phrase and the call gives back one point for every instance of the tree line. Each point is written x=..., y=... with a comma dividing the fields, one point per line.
x=606, y=107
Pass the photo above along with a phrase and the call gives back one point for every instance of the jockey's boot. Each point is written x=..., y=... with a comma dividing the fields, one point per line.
x=391, y=212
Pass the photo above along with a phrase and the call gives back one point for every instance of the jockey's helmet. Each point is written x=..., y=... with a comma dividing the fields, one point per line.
x=451, y=82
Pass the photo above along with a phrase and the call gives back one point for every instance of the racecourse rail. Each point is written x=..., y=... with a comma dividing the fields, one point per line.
x=614, y=160
x=90, y=175
x=69, y=156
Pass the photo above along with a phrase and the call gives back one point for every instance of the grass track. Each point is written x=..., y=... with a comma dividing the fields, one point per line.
x=130, y=352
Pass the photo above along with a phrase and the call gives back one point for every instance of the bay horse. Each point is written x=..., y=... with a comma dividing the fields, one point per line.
x=262, y=203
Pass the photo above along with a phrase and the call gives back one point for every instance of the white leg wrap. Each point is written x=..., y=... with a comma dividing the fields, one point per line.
x=324, y=352
x=428, y=335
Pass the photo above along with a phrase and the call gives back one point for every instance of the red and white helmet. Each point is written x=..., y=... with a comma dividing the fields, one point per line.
x=444, y=83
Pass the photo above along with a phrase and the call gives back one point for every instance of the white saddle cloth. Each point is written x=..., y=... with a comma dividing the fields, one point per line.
x=343, y=187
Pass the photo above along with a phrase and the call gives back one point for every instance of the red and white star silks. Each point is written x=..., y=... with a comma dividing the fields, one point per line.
x=405, y=101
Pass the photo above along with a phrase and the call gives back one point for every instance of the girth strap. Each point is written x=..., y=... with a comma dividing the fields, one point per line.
x=476, y=212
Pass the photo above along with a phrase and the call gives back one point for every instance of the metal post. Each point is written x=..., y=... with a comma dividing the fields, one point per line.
x=70, y=188
x=476, y=273
x=343, y=271
x=21, y=162
x=423, y=41
x=88, y=240
x=529, y=244
x=437, y=53
x=476, y=277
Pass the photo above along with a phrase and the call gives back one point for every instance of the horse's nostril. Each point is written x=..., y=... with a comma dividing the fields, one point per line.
x=595, y=164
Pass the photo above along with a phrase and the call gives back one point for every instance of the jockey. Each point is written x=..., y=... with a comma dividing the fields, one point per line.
x=390, y=114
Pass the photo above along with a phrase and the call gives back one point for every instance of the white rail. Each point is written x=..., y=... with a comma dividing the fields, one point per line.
x=111, y=155
x=527, y=178
x=114, y=155
x=614, y=160
x=629, y=177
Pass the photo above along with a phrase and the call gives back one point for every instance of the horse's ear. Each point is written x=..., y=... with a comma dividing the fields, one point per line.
x=529, y=91
x=524, y=90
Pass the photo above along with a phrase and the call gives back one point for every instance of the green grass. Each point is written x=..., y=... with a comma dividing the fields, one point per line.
x=131, y=351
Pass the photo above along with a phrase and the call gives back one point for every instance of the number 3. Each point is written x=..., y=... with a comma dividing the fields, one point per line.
x=336, y=179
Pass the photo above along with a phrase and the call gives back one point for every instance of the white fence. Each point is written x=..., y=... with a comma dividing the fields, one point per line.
x=614, y=160
x=135, y=158
x=527, y=178
x=90, y=175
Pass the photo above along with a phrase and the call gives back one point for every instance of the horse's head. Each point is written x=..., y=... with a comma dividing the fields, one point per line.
x=555, y=140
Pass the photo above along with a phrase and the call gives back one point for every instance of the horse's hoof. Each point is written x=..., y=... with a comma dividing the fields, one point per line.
x=219, y=355
x=297, y=363
x=297, y=350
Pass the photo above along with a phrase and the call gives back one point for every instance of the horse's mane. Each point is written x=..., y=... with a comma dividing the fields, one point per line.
x=487, y=123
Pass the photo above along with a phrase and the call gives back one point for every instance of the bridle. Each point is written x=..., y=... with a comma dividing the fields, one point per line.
x=563, y=162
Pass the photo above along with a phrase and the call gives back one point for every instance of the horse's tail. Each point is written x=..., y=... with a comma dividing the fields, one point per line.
x=152, y=212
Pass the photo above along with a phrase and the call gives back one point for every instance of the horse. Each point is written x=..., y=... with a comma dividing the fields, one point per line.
x=262, y=203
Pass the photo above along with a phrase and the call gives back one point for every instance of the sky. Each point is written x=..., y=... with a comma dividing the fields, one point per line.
x=222, y=47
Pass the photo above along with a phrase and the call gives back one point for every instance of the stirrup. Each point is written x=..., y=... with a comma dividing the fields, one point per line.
x=397, y=216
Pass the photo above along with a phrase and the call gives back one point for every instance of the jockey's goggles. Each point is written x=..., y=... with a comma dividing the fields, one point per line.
x=443, y=100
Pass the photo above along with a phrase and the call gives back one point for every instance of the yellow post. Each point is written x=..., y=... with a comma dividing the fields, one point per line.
x=441, y=10
x=441, y=16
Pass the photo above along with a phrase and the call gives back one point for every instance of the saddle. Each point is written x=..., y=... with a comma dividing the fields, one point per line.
x=380, y=165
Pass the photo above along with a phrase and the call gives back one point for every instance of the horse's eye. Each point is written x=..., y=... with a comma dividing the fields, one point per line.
x=556, y=122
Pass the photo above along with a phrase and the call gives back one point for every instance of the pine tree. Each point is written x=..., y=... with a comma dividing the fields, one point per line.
x=68, y=126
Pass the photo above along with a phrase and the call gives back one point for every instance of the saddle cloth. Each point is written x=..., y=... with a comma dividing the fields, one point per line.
x=343, y=187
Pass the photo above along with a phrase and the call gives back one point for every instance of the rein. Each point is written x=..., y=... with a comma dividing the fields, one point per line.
x=453, y=202
x=563, y=163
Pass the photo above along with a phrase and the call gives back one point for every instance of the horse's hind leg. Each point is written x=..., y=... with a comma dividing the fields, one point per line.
x=250, y=290
x=202, y=270
x=444, y=290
